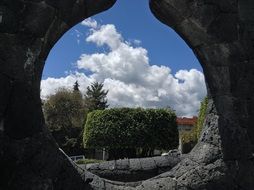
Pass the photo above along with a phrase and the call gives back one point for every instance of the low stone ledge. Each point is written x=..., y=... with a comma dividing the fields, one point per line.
x=132, y=170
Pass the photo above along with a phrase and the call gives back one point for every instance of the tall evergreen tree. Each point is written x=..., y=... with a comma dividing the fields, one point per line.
x=95, y=97
x=76, y=87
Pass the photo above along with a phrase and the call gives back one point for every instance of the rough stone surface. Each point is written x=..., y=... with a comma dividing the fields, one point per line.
x=29, y=157
x=132, y=170
x=220, y=33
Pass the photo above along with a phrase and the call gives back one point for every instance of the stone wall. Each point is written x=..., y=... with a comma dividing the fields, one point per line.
x=221, y=34
x=29, y=157
x=136, y=169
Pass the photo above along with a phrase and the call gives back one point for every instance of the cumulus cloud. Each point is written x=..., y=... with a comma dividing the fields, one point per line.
x=106, y=35
x=51, y=85
x=130, y=77
x=89, y=22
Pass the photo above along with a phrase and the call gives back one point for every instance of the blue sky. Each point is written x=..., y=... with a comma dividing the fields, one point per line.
x=144, y=45
x=134, y=20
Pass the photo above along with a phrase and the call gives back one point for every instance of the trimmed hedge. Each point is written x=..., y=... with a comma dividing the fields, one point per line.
x=131, y=128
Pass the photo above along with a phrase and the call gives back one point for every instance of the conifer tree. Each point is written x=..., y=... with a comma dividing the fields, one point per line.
x=76, y=87
x=95, y=97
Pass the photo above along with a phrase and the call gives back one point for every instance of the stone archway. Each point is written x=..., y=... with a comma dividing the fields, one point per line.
x=221, y=34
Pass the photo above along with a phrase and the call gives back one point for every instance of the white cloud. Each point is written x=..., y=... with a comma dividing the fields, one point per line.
x=123, y=63
x=131, y=79
x=89, y=22
x=51, y=85
x=137, y=42
x=106, y=35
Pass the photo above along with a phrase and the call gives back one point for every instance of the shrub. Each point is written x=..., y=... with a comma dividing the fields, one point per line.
x=64, y=116
x=128, y=128
x=201, y=117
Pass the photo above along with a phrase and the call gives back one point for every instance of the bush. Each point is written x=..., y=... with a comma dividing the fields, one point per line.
x=64, y=116
x=127, y=128
x=201, y=117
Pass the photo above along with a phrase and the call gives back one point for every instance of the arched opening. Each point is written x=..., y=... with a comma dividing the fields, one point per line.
x=221, y=35
x=171, y=52
x=141, y=62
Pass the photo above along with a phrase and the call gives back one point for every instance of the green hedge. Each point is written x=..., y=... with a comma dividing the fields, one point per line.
x=131, y=128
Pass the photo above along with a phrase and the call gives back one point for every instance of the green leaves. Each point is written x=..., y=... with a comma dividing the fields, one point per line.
x=131, y=128
x=95, y=97
x=64, y=115
x=66, y=111
x=201, y=117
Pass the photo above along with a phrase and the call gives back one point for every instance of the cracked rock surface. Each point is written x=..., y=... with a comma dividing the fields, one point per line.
x=134, y=170
x=29, y=156
x=220, y=33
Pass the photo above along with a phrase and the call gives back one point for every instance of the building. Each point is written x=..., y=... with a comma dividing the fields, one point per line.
x=186, y=124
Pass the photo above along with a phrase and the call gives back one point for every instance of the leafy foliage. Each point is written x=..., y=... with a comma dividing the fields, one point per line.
x=201, y=117
x=96, y=97
x=64, y=115
x=128, y=128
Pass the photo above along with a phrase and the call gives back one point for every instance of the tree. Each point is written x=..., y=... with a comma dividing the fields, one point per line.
x=76, y=87
x=95, y=98
x=121, y=130
x=64, y=115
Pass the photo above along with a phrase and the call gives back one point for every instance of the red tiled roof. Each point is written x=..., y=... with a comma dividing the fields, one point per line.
x=186, y=121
